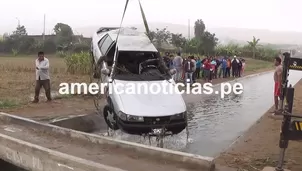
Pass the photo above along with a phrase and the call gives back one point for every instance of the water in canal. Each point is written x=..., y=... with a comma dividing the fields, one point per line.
x=4, y=166
x=215, y=123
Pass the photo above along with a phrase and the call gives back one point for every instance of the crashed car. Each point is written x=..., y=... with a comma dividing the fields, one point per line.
x=137, y=61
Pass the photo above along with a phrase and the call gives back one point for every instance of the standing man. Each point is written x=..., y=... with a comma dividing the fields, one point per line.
x=228, y=69
x=223, y=67
x=194, y=68
x=278, y=82
x=239, y=67
x=198, y=66
x=42, y=77
x=189, y=66
x=207, y=68
x=167, y=59
x=177, y=64
x=235, y=62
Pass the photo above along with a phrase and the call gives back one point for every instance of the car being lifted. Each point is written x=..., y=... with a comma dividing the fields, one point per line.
x=137, y=61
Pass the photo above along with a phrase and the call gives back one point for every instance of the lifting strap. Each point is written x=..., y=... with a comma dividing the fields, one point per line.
x=119, y=30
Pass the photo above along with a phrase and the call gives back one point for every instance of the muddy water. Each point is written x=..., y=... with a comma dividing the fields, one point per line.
x=215, y=123
x=4, y=166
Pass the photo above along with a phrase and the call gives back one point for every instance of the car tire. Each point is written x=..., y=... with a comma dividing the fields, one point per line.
x=111, y=125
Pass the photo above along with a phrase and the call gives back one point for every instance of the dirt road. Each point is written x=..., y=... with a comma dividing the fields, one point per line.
x=258, y=147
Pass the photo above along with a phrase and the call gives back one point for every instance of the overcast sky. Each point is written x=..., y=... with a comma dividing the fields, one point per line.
x=262, y=14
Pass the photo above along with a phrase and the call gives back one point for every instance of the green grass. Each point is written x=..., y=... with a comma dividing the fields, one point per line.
x=254, y=65
x=6, y=104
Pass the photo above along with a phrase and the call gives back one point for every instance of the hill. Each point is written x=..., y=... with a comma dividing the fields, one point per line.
x=225, y=34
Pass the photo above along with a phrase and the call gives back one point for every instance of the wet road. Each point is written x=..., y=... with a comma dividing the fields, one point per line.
x=215, y=123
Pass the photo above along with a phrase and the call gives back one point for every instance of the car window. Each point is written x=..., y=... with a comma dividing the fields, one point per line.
x=102, y=41
x=106, y=44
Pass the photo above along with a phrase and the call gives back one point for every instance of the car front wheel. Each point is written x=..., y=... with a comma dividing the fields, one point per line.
x=110, y=117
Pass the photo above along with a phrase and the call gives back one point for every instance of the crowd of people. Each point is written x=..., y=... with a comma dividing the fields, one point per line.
x=191, y=68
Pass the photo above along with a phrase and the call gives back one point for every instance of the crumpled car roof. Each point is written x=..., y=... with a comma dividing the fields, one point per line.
x=132, y=40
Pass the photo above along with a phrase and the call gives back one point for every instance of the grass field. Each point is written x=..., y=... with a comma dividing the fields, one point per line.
x=17, y=78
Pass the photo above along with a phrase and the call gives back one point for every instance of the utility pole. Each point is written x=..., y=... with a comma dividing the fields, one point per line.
x=44, y=30
x=18, y=21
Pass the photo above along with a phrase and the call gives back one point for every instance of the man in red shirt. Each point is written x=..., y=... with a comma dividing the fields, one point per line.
x=207, y=67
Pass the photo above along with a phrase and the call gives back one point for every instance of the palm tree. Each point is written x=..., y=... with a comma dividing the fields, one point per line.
x=253, y=44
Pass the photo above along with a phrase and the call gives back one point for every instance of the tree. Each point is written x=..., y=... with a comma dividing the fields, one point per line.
x=192, y=46
x=253, y=44
x=161, y=36
x=199, y=28
x=178, y=40
x=20, y=31
x=208, y=42
x=19, y=41
x=64, y=35
x=151, y=35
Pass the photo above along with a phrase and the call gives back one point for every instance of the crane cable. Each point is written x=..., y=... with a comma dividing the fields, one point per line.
x=116, y=46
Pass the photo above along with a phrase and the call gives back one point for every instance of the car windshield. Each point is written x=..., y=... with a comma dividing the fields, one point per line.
x=139, y=66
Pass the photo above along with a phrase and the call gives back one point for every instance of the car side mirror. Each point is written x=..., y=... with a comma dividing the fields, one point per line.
x=105, y=71
x=172, y=71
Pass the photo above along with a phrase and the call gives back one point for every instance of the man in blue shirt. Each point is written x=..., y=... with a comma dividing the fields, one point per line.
x=223, y=67
x=198, y=66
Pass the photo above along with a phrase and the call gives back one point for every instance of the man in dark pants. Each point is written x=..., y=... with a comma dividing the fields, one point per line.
x=235, y=62
x=42, y=77
x=239, y=67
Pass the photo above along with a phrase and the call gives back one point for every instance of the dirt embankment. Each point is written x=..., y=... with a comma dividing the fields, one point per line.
x=259, y=146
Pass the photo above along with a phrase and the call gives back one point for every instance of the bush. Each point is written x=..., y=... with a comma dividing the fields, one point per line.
x=78, y=63
x=80, y=47
x=61, y=54
x=49, y=46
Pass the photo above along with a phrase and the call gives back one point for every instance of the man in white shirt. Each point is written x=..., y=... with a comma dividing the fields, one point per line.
x=42, y=77
x=177, y=64
x=194, y=69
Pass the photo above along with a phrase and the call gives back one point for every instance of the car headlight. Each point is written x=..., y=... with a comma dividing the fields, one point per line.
x=131, y=118
x=178, y=116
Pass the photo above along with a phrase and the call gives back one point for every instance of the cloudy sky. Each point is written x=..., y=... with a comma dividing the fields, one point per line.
x=262, y=14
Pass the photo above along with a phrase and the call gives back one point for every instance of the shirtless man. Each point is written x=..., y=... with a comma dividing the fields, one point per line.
x=278, y=82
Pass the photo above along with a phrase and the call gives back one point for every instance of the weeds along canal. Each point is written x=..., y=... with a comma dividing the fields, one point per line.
x=215, y=123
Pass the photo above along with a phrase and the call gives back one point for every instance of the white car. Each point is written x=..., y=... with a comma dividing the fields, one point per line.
x=137, y=61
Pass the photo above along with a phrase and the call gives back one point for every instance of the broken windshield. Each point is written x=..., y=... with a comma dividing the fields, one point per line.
x=139, y=66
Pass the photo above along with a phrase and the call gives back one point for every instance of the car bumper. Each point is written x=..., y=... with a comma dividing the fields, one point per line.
x=139, y=128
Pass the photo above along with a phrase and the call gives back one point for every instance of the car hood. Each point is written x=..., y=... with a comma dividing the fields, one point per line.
x=160, y=104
